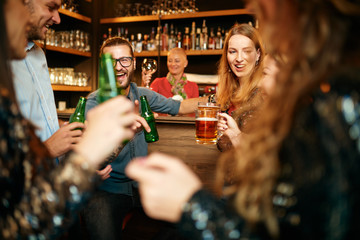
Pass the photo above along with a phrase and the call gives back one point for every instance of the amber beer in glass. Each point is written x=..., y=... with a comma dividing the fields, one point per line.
x=206, y=120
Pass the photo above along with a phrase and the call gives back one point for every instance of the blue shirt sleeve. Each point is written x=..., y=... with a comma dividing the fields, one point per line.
x=91, y=102
x=159, y=103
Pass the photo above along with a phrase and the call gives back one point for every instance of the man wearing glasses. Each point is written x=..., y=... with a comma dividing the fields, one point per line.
x=116, y=196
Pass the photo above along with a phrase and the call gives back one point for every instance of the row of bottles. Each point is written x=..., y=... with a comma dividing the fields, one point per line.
x=199, y=38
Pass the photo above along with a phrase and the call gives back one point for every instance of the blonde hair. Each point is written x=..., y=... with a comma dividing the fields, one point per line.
x=230, y=91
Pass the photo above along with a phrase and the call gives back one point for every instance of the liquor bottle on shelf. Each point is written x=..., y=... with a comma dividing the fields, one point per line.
x=172, y=38
x=158, y=38
x=126, y=34
x=186, y=40
x=165, y=39
x=218, y=39
x=179, y=40
x=222, y=39
x=79, y=114
x=205, y=38
x=152, y=42
x=148, y=115
x=133, y=42
x=145, y=44
x=211, y=42
x=193, y=36
x=198, y=39
x=139, y=43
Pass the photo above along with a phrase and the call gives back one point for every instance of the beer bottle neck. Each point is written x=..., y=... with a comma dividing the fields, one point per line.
x=145, y=107
x=80, y=108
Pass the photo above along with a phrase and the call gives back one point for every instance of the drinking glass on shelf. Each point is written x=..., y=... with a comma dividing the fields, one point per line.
x=149, y=66
x=128, y=10
x=120, y=10
x=137, y=6
x=147, y=10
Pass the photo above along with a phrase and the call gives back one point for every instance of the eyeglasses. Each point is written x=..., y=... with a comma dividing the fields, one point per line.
x=124, y=61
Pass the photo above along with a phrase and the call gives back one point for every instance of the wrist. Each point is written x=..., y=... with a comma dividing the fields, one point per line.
x=51, y=151
x=86, y=156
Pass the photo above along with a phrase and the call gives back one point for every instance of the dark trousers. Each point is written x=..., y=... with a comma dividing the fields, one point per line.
x=104, y=214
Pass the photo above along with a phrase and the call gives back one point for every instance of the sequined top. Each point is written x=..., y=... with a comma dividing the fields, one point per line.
x=318, y=193
x=243, y=115
x=37, y=199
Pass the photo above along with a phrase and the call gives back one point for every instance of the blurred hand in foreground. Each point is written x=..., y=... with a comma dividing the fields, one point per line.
x=165, y=185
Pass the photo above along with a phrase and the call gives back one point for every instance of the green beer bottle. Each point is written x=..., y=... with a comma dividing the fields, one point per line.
x=148, y=115
x=107, y=80
x=79, y=114
x=109, y=87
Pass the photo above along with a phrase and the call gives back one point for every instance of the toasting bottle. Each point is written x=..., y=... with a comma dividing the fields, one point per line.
x=107, y=81
x=79, y=114
x=148, y=115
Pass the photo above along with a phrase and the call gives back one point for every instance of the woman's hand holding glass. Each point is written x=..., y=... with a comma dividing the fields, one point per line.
x=149, y=66
x=228, y=127
x=146, y=78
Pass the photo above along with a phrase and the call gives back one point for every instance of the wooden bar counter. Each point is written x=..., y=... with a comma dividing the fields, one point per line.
x=177, y=138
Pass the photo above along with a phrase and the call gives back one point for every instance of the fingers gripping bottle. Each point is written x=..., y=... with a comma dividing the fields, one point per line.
x=148, y=115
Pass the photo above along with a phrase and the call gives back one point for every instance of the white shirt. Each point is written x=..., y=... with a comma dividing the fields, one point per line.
x=33, y=91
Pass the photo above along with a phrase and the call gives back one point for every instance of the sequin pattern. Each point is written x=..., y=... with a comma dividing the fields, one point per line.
x=37, y=199
x=351, y=110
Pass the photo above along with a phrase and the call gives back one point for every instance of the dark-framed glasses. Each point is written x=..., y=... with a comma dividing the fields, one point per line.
x=124, y=61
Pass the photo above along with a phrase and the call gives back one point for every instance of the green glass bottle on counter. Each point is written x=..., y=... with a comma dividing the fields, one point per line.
x=148, y=115
x=79, y=114
x=107, y=80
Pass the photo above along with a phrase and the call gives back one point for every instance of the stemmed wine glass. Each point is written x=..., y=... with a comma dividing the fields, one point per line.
x=149, y=66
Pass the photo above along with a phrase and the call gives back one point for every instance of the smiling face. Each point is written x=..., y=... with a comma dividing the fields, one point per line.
x=242, y=55
x=176, y=62
x=123, y=74
x=18, y=24
x=44, y=13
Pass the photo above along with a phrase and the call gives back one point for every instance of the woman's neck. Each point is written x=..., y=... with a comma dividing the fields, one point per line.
x=177, y=76
x=243, y=79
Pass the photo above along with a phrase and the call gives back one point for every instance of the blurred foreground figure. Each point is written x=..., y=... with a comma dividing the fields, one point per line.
x=39, y=200
x=296, y=176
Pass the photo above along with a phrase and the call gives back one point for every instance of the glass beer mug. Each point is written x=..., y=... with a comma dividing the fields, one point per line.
x=206, y=120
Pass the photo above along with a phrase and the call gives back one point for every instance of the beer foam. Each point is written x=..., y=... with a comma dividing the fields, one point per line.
x=206, y=119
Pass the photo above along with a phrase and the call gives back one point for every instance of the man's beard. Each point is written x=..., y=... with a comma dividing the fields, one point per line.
x=130, y=77
x=34, y=34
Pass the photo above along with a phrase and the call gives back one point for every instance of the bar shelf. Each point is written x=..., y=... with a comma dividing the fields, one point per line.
x=188, y=53
x=69, y=88
x=217, y=13
x=75, y=15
